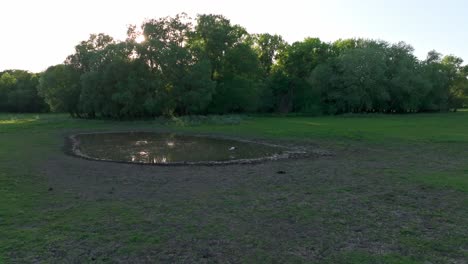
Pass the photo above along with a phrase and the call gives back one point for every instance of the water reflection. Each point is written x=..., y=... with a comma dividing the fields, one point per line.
x=141, y=142
x=166, y=148
x=147, y=157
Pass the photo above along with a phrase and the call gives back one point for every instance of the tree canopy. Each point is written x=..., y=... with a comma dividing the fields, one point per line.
x=208, y=65
x=18, y=92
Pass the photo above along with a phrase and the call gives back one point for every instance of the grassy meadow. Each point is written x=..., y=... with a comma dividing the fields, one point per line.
x=394, y=190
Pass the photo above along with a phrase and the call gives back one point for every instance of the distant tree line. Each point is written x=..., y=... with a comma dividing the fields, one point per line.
x=18, y=92
x=209, y=66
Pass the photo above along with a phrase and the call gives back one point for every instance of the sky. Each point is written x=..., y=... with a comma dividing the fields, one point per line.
x=38, y=34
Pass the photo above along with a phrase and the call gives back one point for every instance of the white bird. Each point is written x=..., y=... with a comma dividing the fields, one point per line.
x=232, y=148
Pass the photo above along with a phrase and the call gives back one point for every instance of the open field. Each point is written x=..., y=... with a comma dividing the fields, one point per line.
x=394, y=190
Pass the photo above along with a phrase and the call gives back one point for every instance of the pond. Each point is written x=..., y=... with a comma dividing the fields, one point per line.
x=168, y=148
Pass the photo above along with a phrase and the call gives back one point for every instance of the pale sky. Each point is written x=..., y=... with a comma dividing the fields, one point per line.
x=37, y=34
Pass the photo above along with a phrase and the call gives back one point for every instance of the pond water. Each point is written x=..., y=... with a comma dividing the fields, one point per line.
x=165, y=148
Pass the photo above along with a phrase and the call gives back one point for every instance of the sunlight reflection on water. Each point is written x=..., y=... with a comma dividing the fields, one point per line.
x=145, y=147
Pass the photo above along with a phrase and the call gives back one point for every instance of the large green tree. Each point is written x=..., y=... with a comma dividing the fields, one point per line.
x=458, y=81
x=405, y=85
x=60, y=87
x=295, y=64
x=214, y=35
x=352, y=82
x=185, y=77
x=267, y=47
x=240, y=86
x=438, y=76
x=87, y=56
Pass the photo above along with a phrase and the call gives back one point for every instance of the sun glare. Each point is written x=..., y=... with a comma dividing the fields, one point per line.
x=140, y=39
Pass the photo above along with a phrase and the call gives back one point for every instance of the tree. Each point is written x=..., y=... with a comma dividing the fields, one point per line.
x=18, y=92
x=342, y=45
x=295, y=64
x=60, y=87
x=213, y=37
x=406, y=86
x=458, y=81
x=186, y=84
x=267, y=48
x=196, y=91
x=99, y=82
x=354, y=82
x=7, y=84
x=438, y=76
x=239, y=87
x=87, y=57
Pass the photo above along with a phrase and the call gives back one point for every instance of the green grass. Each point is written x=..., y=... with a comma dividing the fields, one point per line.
x=440, y=127
x=444, y=127
x=365, y=258
x=457, y=179
x=37, y=224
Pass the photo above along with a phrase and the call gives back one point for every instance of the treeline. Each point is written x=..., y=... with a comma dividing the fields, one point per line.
x=209, y=66
x=18, y=92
